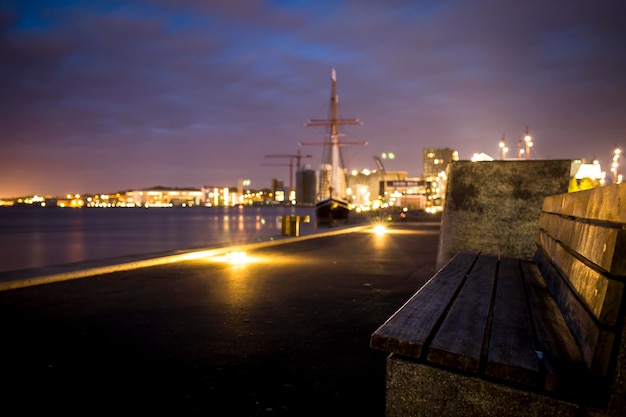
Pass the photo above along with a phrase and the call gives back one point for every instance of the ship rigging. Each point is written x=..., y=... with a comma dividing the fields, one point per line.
x=333, y=203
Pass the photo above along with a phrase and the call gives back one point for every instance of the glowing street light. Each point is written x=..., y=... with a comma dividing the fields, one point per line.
x=504, y=148
x=616, y=178
x=529, y=142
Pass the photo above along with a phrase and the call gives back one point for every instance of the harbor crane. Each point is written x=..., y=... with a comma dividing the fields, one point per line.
x=379, y=164
x=298, y=156
x=381, y=170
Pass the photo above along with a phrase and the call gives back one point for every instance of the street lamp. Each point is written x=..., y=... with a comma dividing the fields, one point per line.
x=503, y=147
x=529, y=142
x=616, y=178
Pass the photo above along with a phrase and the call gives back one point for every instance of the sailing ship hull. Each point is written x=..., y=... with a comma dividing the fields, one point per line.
x=330, y=210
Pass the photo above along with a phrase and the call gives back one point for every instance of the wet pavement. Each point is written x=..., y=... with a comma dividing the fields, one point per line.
x=285, y=334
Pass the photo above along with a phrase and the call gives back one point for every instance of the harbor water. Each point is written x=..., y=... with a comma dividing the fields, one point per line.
x=39, y=237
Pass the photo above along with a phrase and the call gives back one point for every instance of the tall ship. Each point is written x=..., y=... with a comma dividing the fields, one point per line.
x=333, y=203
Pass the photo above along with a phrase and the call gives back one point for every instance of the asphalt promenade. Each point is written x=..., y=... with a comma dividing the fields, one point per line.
x=284, y=334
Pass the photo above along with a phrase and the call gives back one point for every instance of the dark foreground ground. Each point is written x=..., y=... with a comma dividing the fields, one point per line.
x=284, y=335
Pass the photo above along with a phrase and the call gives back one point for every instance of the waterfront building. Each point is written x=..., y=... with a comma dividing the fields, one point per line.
x=164, y=197
x=280, y=193
x=363, y=189
x=216, y=196
x=306, y=186
x=34, y=200
x=243, y=186
x=71, y=201
x=105, y=200
x=410, y=193
x=383, y=189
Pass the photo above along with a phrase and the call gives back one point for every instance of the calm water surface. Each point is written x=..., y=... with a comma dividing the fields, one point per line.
x=35, y=237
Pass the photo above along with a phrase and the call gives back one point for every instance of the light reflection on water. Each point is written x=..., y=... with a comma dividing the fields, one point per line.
x=35, y=237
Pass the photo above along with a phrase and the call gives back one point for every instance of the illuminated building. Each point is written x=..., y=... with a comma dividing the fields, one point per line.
x=383, y=189
x=481, y=157
x=71, y=201
x=306, y=185
x=280, y=193
x=363, y=189
x=437, y=160
x=409, y=193
x=214, y=196
x=585, y=176
x=35, y=200
x=164, y=197
x=436, y=163
x=243, y=185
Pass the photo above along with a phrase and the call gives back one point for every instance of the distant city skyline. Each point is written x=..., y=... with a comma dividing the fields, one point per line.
x=103, y=96
x=589, y=169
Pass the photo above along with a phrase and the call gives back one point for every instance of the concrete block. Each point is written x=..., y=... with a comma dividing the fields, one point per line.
x=494, y=206
x=415, y=389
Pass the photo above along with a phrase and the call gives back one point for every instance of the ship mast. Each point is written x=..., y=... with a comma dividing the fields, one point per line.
x=334, y=134
x=334, y=122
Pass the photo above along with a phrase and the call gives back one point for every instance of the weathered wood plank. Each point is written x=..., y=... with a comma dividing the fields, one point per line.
x=601, y=294
x=595, y=343
x=606, y=203
x=406, y=332
x=459, y=341
x=512, y=354
x=563, y=362
x=603, y=245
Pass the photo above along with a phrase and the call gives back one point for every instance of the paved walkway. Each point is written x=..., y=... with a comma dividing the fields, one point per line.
x=285, y=334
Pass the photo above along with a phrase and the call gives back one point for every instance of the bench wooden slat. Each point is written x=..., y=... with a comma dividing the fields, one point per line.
x=601, y=294
x=603, y=245
x=458, y=343
x=594, y=342
x=604, y=205
x=406, y=332
x=563, y=363
x=512, y=355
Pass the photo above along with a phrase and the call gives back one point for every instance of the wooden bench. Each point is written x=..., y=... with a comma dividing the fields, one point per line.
x=494, y=335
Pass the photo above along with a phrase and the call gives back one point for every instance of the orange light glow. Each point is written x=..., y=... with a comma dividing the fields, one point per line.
x=380, y=229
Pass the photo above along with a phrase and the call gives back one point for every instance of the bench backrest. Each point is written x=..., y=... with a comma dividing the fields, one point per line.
x=582, y=255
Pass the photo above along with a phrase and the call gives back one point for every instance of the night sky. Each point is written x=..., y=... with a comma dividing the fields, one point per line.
x=98, y=96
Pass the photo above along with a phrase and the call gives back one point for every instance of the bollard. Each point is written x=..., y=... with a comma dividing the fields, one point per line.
x=287, y=226
x=291, y=224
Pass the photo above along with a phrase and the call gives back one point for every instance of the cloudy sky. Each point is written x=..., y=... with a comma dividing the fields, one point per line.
x=107, y=95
